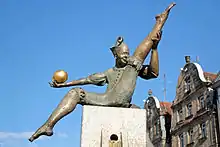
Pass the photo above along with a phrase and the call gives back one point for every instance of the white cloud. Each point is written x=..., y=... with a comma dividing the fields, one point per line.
x=63, y=135
x=25, y=135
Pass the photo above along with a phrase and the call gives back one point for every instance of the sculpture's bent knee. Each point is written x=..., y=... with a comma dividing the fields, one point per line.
x=76, y=93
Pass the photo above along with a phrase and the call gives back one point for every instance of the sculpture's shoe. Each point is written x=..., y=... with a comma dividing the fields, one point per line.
x=44, y=130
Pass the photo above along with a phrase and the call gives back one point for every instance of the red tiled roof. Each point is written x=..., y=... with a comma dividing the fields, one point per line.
x=166, y=108
x=211, y=76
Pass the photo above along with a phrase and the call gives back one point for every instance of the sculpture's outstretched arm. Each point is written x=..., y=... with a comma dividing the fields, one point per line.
x=98, y=79
x=144, y=48
x=152, y=70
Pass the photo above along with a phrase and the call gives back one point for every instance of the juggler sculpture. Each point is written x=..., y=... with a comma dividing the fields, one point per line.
x=121, y=78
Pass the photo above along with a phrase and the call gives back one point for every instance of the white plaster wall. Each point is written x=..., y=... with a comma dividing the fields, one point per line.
x=110, y=120
x=163, y=129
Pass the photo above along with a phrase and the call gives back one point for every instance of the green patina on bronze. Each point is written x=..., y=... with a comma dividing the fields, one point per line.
x=121, y=79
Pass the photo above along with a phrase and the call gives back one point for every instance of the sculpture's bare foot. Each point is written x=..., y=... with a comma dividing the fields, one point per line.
x=44, y=130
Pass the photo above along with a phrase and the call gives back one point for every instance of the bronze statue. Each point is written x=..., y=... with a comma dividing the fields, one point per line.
x=121, y=79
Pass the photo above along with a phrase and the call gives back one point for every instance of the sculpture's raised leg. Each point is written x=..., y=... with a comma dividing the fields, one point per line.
x=67, y=105
x=144, y=48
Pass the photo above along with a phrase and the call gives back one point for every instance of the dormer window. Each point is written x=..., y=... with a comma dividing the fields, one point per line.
x=187, y=85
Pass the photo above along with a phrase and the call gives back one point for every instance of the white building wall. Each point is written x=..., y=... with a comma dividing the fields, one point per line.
x=163, y=129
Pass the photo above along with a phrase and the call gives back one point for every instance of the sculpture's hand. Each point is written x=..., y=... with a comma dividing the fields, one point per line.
x=54, y=84
x=156, y=40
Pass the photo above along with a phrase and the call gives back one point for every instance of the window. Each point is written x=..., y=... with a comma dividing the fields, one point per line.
x=187, y=84
x=203, y=129
x=181, y=140
x=190, y=137
x=151, y=133
x=180, y=115
x=189, y=108
x=218, y=93
x=154, y=129
x=157, y=127
x=202, y=102
x=209, y=102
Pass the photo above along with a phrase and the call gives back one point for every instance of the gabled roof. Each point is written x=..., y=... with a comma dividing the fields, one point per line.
x=210, y=76
x=216, y=83
x=165, y=108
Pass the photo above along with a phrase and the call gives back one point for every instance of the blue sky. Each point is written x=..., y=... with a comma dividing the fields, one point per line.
x=39, y=37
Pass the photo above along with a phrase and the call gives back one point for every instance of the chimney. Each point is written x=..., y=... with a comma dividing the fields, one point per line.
x=187, y=59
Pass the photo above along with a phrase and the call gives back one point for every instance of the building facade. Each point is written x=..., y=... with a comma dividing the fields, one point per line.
x=216, y=88
x=158, y=121
x=194, y=120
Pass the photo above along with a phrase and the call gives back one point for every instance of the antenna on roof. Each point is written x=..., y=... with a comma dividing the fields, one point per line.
x=165, y=90
x=197, y=59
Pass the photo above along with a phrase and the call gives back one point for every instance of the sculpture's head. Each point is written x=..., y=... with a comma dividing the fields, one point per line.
x=121, y=52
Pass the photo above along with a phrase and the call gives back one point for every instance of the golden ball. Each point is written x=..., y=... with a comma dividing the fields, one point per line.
x=60, y=76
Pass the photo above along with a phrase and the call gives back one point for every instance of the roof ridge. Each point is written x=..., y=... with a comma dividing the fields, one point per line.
x=210, y=72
